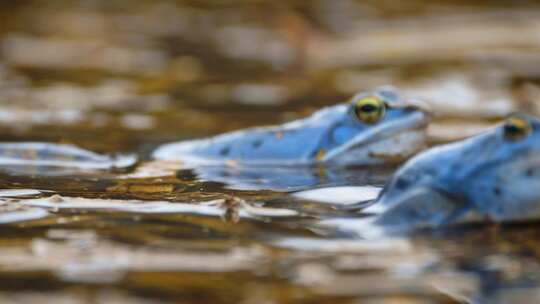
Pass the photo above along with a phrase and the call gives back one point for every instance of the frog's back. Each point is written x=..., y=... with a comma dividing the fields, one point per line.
x=295, y=142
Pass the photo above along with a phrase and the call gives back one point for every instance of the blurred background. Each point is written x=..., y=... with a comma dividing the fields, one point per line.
x=137, y=73
x=127, y=75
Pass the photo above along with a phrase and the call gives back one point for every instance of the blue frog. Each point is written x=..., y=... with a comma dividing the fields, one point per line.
x=374, y=127
x=495, y=174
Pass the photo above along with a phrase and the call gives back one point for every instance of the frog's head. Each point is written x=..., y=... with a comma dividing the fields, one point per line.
x=506, y=170
x=377, y=127
x=514, y=140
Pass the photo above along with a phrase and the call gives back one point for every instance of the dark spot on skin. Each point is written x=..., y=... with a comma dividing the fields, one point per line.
x=529, y=173
x=497, y=191
x=225, y=151
x=402, y=184
x=257, y=143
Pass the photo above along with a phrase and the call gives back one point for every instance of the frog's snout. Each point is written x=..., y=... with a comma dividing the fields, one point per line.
x=418, y=106
x=413, y=117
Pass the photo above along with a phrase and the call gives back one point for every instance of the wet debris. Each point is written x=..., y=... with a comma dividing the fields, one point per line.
x=105, y=262
x=56, y=199
x=427, y=285
x=138, y=121
x=229, y=208
x=154, y=169
x=11, y=212
x=15, y=193
x=134, y=206
x=233, y=206
x=479, y=36
x=12, y=116
x=345, y=245
x=73, y=297
x=260, y=94
x=23, y=50
x=253, y=43
x=72, y=235
x=108, y=94
x=339, y=195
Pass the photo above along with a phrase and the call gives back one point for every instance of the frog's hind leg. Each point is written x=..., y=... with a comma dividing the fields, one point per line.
x=422, y=207
x=34, y=154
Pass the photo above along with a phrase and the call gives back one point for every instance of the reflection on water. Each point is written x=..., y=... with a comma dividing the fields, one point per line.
x=290, y=179
x=126, y=76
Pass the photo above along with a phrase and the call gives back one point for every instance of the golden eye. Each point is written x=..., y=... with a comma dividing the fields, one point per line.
x=516, y=128
x=369, y=109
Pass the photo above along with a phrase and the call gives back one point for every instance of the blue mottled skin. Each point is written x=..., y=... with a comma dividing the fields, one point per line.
x=487, y=175
x=332, y=135
x=38, y=154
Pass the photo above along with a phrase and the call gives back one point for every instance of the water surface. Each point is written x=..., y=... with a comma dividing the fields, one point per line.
x=125, y=76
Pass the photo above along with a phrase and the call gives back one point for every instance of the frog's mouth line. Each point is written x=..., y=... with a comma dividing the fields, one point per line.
x=414, y=121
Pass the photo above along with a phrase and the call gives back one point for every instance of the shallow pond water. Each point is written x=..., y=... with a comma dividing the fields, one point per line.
x=126, y=76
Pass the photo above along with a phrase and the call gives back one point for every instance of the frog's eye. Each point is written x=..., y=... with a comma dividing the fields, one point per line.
x=516, y=128
x=369, y=109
